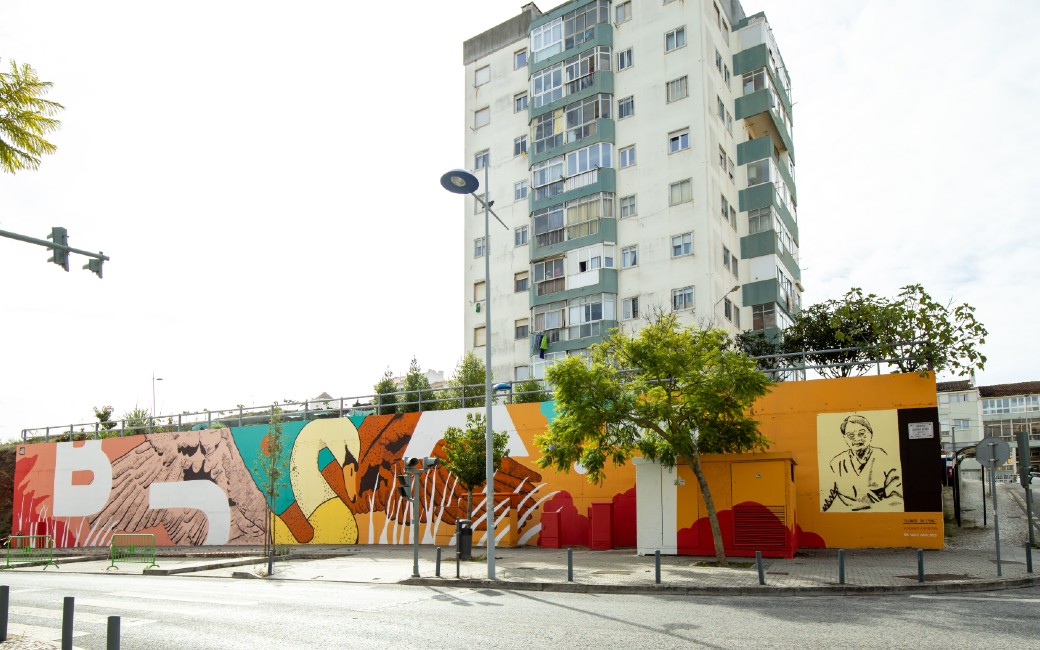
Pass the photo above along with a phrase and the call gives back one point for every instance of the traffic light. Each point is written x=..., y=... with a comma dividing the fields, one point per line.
x=1024, y=458
x=417, y=463
x=404, y=488
x=60, y=257
x=94, y=266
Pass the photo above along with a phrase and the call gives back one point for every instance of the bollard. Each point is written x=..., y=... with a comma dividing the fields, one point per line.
x=1029, y=564
x=570, y=565
x=438, y=561
x=66, y=622
x=458, y=557
x=761, y=571
x=920, y=565
x=5, y=605
x=113, y=633
x=841, y=566
x=657, y=566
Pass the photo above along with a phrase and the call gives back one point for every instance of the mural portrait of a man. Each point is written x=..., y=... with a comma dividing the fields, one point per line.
x=864, y=476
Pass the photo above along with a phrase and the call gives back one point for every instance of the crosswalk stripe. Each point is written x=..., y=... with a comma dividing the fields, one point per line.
x=182, y=599
x=79, y=616
x=36, y=632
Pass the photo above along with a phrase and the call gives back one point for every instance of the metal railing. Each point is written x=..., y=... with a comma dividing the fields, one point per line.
x=30, y=549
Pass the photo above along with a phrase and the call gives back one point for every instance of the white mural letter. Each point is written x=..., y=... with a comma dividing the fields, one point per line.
x=81, y=500
x=205, y=496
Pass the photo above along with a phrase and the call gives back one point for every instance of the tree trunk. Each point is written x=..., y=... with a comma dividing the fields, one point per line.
x=469, y=504
x=716, y=531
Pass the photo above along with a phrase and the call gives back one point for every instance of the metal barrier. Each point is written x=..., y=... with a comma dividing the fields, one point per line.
x=30, y=548
x=132, y=547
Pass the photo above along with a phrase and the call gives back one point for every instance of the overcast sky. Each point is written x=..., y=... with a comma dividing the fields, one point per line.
x=253, y=169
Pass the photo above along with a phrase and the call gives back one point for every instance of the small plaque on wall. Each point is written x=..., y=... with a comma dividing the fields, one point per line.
x=920, y=430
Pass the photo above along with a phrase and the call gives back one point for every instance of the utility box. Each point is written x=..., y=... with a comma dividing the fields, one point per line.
x=550, y=533
x=601, y=526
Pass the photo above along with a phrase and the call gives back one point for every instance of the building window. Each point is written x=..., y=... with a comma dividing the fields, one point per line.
x=479, y=247
x=725, y=208
x=481, y=159
x=622, y=12
x=680, y=192
x=627, y=156
x=521, y=328
x=626, y=107
x=624, y=59
x=725, y=257
x=630, y=308
x=682, y=245
x=521, y=373
x=520, y=59
x=479, y=291
x=732, y=217
x=549, y=276
x=718, y=60
x=519, y=102
x=675, y=39
x=629, y=257
x=481, y=117
x=586, y=314
x=520, y=146
x=725, y=73
x=677, y=89
x=520, y=236
x=520, y=282
x=678, y=140
x=482, y=75
x=729, y=123
x=479, y=336
x=962, y=425
x=627, y=206
x=682, y=299
x=736, y=315
x=520, y=191
x=730, y=167
x=763, y=316
x=721, y=108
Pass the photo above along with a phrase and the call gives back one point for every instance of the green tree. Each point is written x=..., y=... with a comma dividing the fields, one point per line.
x=838, y=345
x=270, y=466
x=764, y=349
x=417, y=393
x=466, y=453
x=669, y=392
x=467, y=385
x=104, y=418
x=386, y=400
x=916, y=331
x=25, y=117
x=532, y=390
x=137, y=421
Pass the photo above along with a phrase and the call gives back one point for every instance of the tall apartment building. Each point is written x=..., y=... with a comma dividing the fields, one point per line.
x=641, y=155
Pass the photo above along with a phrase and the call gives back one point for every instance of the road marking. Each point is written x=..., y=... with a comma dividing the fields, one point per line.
x=36, y=632
x=78, y=616
x=182, y=599
x=979, y=598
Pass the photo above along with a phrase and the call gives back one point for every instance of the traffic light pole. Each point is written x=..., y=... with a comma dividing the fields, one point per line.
x=97, y=259
x=415, y=521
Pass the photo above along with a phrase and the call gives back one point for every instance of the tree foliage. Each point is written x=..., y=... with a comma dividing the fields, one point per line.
x=765, y=350
x=104, y=418
x=386, y=400
x=467, y=385
x=417, y=390
x=669, y=392
x=466, y=453
x=139, y=420
x=25, y=117
x=528, y=391
x=269, y=465
x=837, y=337
x=914, y=331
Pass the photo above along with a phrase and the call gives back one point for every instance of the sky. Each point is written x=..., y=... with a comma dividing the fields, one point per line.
x=252, y=169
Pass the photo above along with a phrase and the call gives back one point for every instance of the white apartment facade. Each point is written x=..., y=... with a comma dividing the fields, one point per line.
x=640, y=155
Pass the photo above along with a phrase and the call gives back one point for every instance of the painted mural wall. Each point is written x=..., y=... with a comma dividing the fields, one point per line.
x=864, y=474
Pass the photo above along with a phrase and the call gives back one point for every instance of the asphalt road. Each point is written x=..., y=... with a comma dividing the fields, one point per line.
x=193, y=612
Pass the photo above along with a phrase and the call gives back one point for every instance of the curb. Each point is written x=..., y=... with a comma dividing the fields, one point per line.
x=207, y=567
x=763, y=590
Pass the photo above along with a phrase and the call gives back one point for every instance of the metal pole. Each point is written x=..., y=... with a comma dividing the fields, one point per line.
x=5, y=605
x=113, y=633
x=984, y=493
x=841, y=566
x=657, y=566
x=490, y=432
x=570, y=565
x=761, y=570
x=438, y=561
x=996, y=522
x=415, y=524
x=1029, y=557
x=66, y=622
x=920, y=565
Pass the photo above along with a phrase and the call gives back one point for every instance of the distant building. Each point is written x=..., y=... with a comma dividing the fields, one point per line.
x=960, y=413
x=1010, y=408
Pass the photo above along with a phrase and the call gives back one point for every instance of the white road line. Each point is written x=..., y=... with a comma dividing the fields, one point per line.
x=36, y=632
x=181, y=599
x=78, y=616
x=978, y=598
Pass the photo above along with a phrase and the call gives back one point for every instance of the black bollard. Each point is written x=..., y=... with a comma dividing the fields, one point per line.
x=570, y=565
x=657, y=566
x=761, y=570
x=5, y=605
x=113, y=633
x=1029, y=562
x=66, y=622
x=920, y=565
x=438, y=561
x=841, y=566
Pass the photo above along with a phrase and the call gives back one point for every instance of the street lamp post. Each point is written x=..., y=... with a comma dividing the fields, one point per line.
x=154, y=379
x=736, y=287
x=459, y=181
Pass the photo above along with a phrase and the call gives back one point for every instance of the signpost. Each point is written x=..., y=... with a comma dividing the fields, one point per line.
x=993, y=452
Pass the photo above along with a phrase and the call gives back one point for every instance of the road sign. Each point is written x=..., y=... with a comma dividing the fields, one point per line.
x=992, y=452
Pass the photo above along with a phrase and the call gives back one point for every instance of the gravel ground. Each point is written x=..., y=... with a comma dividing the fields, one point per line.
x=972, y=535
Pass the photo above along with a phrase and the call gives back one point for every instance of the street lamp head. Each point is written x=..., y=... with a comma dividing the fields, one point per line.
x=459, y=181
x=736, y=287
